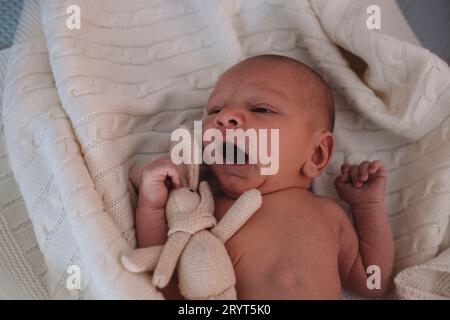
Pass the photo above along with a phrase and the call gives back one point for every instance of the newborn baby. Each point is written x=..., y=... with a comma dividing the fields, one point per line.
x=297, y=245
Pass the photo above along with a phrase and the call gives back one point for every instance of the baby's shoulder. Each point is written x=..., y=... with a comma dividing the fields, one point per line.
x=297, y=197
x=332, y=212
x=327, y=203
x=298, y=203
x=328, y=206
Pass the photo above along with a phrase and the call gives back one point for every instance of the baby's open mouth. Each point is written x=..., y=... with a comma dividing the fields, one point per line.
x=231, y=153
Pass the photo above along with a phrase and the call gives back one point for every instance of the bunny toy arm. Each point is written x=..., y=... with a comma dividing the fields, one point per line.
x=238, y=214
x=185, y=220
x=169, y=258
x=141, y=260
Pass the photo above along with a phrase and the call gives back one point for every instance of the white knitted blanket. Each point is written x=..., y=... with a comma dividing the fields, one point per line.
x=84, y=110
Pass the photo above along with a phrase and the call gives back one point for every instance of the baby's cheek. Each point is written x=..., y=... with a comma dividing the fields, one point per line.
x=291, y=163
x=208, y=122
x=236, y=185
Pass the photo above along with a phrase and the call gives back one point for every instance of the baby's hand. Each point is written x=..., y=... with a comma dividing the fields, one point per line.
x=156, y=179
x=364, y=183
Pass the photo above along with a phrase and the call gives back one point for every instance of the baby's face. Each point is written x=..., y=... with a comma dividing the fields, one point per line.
x=262, y=96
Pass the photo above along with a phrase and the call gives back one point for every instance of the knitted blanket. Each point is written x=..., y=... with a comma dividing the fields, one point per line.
x=85, y=109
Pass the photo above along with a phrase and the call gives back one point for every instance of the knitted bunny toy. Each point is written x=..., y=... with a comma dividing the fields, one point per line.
x=195, y=244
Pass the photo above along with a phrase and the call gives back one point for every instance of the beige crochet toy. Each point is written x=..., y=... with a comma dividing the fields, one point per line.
x=195, y=242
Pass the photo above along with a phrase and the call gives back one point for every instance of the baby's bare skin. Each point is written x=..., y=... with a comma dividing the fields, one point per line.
x=288, y=249
x=297, y=245
x=329, y=250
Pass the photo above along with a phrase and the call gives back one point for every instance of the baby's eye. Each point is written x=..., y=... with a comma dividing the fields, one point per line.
x=213, y=111
x=261, y=109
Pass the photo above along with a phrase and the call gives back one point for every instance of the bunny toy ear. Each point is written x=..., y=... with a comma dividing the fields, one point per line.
x=189, y=172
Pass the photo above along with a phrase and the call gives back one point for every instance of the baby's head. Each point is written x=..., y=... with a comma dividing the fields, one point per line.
x=274, y=92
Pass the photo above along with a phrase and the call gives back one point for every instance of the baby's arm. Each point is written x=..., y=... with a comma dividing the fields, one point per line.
x=151, y=226
x=371, y=244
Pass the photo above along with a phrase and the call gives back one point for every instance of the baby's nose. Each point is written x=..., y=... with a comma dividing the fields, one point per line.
x=229, y=119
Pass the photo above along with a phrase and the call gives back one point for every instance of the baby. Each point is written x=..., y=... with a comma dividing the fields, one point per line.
x=297, y=245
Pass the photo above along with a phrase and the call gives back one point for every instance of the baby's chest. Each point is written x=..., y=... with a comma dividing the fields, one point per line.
x=307, y=255
x=293, y=240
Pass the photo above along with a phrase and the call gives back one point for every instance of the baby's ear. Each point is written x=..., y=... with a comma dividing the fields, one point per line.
x=321, y=154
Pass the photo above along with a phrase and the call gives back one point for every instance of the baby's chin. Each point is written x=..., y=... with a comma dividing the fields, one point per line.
x=234, y=180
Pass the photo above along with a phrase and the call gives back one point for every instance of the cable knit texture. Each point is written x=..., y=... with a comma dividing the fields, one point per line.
x=84, y=110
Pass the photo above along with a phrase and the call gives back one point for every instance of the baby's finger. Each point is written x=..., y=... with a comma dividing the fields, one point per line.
x=158, y=171
x=345, y=168
x=173, y=174
x=342, y=179
x=363, y=173
x=161, y=161
x=377, y=167
x=354, y=175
